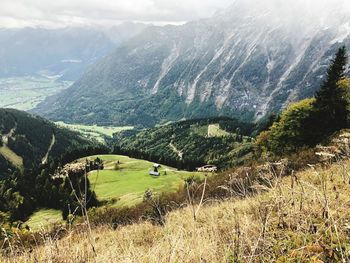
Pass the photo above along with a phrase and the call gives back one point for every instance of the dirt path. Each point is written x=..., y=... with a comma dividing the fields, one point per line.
x=45, y=158
x=5, y=137
x=178, y=152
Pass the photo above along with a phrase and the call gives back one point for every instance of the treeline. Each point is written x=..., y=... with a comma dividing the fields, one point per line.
x=159, y=157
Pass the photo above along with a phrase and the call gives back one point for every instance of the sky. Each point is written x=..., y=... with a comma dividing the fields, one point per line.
x=60, y=13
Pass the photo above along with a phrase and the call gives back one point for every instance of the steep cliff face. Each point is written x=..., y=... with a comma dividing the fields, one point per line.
x=251, y=59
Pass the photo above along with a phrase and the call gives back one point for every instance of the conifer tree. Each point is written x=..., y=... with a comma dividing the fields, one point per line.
x=331, y=104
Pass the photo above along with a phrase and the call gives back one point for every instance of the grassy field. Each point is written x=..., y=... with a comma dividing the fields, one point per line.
x=215, y=131
x=122, y=187
x=43, y=218
x=25, y=93
x=11, y=156
x=212, y=130
x=128, y=183
x=94, y=131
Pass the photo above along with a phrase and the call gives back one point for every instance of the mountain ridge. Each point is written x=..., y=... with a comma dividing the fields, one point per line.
x=240, y=63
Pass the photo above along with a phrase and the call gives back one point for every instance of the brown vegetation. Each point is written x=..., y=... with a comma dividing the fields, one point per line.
x=302, y=218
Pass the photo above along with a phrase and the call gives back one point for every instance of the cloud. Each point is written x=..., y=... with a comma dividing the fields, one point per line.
x=57, y=13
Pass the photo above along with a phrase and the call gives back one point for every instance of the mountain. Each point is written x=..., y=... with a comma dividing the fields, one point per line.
x=223, y=142
x=249, y=60
x=65, y=51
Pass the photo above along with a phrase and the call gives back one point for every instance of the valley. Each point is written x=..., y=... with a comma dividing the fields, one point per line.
x=99, y=133
x=25, y=93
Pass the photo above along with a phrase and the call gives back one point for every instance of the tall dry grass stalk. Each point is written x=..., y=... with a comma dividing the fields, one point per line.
x=82, y=200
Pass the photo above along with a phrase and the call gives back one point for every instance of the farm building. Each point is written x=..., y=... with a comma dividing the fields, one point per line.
x=207, y=168
x=154, y=173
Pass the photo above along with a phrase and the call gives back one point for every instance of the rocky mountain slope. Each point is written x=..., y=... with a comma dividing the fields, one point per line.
x=246, y=61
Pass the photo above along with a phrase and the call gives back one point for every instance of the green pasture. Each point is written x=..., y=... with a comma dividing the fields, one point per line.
x=94, y=131
x=125, y=184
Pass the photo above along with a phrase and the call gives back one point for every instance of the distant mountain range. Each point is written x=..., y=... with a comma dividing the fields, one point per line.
x=65, y=52
x=249, y=60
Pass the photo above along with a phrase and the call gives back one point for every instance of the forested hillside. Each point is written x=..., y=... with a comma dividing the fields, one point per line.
x=188, y=144
x=31, y=148
x=35, y=140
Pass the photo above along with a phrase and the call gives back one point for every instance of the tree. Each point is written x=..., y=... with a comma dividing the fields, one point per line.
x=344, y=84
x=291, y=132
x=331, y=104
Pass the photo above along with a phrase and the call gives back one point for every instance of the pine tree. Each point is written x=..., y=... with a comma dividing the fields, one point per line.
x=331, y=104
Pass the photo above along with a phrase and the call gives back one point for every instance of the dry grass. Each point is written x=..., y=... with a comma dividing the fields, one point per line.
x=303, y=218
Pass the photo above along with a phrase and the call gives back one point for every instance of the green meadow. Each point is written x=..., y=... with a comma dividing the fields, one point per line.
x=93, y=131
x=24, y=93
x=120, y=185
x=43, y=218
x=11, y=156
x=211, y=130
x=125, y=184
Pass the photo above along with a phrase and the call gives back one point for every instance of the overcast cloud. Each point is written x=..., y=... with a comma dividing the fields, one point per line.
x=59, y=13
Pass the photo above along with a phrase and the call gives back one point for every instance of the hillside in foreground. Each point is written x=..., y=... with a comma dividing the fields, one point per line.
x=122, y=183
x=302, y=218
